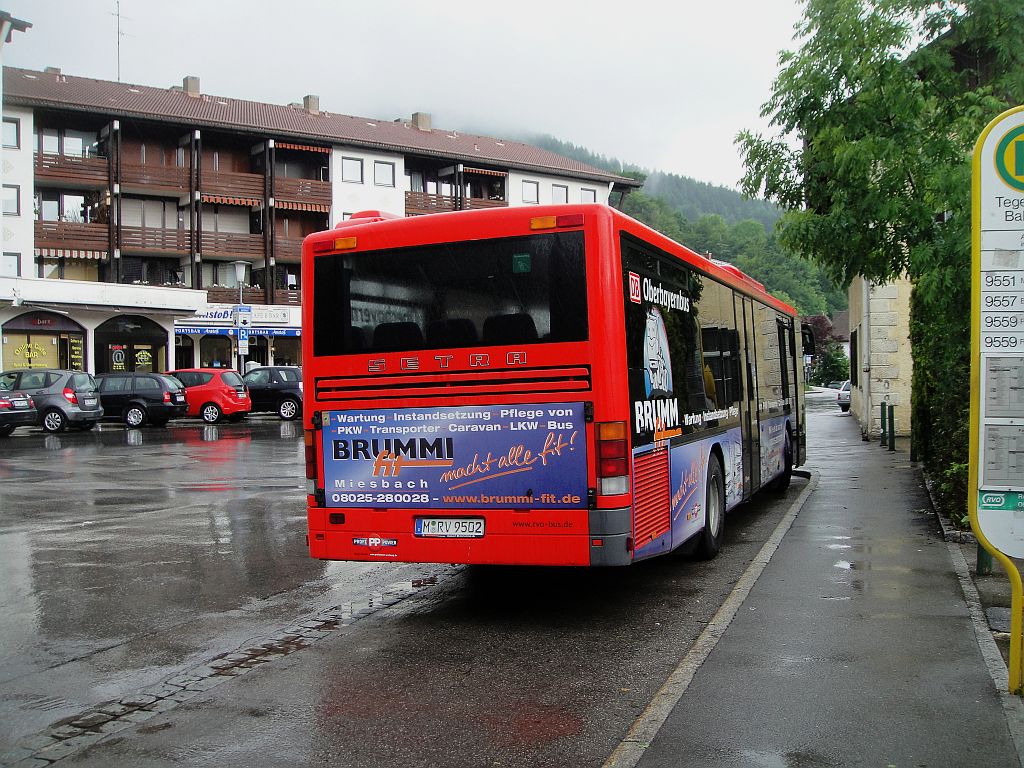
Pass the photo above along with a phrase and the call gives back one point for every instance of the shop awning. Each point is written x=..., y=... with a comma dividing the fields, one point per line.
x=483, y=171
x=301, y=147
x=70, y=253
x=252, y=202
x=290, y=205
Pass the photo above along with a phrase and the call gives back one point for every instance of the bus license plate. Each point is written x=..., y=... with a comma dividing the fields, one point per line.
x=450, y=527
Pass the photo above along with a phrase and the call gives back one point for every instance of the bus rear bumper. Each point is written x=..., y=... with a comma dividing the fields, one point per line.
x=606, y=541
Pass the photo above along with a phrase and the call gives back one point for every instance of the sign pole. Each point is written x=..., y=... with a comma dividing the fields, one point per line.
x=996, y=470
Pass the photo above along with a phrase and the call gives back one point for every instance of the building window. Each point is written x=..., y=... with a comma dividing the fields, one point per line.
x=10, y=265
x=12, y=200
x=588, y=195
x=383, y=174
x=531, y=192
x=12, y=133
x=559, y=194
x=352, y=170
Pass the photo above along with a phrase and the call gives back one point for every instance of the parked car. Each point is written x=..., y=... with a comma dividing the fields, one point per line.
x=843, y=397
x=63, y=398
x=214, y=393
x=142, y=398
x=16, y=410
x=276, y=388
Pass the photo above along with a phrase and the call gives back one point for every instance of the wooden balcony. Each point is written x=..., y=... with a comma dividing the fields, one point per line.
x=71, y=172
x=419, y=203
x=287, y=250
x=71, y=235
x=302, y=190
x=152, y=240
x=252, y=296
x=154, y=178
x=232, y=184
x=231, y=245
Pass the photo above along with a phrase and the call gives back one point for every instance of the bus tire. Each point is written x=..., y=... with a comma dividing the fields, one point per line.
x=781, y=483
x=710, y=541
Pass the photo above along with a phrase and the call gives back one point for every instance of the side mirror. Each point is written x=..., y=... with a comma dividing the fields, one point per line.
x=807, y=336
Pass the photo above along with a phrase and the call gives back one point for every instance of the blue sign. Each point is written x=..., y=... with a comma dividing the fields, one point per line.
x=243, y=335
x=220, y=330
x=459, y=458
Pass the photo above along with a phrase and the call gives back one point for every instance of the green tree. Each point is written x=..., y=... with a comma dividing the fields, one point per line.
x=831, y=364
x=877, y=113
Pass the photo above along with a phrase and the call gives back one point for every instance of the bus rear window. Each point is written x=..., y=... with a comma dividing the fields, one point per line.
x=498, y=292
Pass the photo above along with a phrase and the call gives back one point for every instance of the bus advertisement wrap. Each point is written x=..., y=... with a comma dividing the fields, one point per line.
x=479, y=457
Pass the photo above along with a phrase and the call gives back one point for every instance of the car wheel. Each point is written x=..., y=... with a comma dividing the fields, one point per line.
x=844, y=408
x=210, y=413
x=714, y=515
x=6, y=429
x=288, y=408
x=134, y=416
x=55, y=421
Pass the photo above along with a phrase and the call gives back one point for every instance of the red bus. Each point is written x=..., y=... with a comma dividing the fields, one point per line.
x=552, y=385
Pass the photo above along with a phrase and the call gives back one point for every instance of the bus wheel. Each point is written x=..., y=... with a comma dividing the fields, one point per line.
x=714, y=515
x=781, y=483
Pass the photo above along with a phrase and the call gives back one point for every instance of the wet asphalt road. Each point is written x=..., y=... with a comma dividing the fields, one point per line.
x=132, y=562
x=129, y=555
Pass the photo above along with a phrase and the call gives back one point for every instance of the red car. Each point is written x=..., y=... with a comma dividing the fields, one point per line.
x=214, y=393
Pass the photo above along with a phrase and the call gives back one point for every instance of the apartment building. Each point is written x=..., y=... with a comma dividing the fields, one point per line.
x=136, y=219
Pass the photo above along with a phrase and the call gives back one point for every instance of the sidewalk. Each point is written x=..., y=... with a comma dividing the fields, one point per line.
x=856, y=646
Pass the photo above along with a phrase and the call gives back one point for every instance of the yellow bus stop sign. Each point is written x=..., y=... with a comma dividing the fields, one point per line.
x=996, y=480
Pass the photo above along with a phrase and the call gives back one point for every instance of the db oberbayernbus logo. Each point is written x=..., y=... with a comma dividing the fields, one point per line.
x=1009, y=158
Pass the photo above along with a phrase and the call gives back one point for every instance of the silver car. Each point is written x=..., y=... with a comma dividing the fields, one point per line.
x=843, y=398
x=63, y=398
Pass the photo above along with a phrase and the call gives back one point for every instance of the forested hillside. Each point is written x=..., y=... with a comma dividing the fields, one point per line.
x=719, y=222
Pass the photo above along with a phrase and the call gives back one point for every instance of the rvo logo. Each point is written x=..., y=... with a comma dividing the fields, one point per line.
x=992, y=499
x=634, y=287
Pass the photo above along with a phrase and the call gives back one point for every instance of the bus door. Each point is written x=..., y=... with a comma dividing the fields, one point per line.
x=750, y=424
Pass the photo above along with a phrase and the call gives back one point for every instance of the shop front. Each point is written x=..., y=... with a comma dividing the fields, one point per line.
x=130, y=343
x=43, y=340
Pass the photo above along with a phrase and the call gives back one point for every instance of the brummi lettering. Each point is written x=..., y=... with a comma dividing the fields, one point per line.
x=655, y=414
x=417, y=448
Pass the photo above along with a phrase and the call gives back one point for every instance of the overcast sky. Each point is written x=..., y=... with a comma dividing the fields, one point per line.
x=666, y=85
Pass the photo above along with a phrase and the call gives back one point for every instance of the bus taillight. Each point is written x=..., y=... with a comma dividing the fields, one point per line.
x=612, y=458
x=553, y=222
x=310, y=452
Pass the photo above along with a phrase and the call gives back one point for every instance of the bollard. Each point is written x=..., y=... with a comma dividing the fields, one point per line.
x=882, y=433
x=984, y=566
x=892, y=428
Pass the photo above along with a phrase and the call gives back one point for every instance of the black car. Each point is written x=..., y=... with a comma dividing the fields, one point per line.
x=16, y=410
x=63, y=398
x=142, y=398
x=276, y=388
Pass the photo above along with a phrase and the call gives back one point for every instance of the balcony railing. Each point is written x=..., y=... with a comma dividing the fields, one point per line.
x=252, y=296
x=287, y=249
x=232, y=184
x=155, y=176
x=151, y=239
x=302, y=190
x=233, y=245
x=419, y=203
x=72, y=235
x=70, y=171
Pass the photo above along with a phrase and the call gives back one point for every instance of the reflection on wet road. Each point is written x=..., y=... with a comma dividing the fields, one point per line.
x=126, y=555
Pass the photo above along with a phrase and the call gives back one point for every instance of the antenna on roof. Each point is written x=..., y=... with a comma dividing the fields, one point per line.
x=120, y=34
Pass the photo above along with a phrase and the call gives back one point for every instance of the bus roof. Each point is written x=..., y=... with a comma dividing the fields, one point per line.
x=476, y=224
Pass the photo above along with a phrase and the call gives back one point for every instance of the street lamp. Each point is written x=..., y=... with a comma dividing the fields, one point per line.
x=240, y=279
